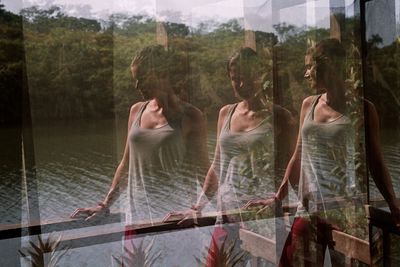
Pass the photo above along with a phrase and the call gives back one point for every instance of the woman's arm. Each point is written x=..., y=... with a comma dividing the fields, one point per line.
x=377, y=167
x=210, y=186
x=292, y=173
x=195, y=135
x=118, y=181
x=285, y=130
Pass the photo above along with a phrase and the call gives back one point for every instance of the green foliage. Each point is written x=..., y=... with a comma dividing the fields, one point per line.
x=225, y=255
x=79, y=68
x=45, y=253
x=139, y=256
x=43, y=20
x=69, y=73
x=176, y=29
x=11, y=67
x=382, y=80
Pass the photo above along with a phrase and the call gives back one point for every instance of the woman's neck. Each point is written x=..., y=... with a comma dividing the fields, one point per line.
x=166, y=103
x=255, y=104
x=335, y=98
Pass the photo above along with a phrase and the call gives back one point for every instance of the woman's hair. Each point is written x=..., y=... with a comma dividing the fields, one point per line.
x=330, y=49
x=252, y=65
x=329, y=52
x=170, y=65
x=244, y=57
x=153, y=59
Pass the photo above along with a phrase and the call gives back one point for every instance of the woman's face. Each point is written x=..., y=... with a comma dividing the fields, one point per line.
x=311, y=72
x=244, y=81
x=143, y=82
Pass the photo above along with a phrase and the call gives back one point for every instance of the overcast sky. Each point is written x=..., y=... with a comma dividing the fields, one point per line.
x=257, y=13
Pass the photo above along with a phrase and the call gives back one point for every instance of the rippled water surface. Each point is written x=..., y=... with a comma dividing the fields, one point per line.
x=76, y=163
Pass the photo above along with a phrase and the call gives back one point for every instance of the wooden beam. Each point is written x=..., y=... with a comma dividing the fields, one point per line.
x=161, y=35
x=62, y=224
x=250, y=39
x=258, y=245
x=16, y=230
x=351, y=246
x=346, y=244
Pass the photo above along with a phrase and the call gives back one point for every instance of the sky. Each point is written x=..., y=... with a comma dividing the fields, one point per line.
x=257, y=14
x=183, y=11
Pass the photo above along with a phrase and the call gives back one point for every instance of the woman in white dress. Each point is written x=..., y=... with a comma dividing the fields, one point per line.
x=324, y=163
x=165, y=148
x=243, y=164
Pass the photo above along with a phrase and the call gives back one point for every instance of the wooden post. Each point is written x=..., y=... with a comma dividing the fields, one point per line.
x=11, y=116
x=250, y=39
x=386, y=248
x=334, y=28
x=337, y=18
x=161, y=35
x=28, y=158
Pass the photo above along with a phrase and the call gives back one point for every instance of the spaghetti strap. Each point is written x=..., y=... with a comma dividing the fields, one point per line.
x=139, y=114
x=227, y=122
x=314, y=104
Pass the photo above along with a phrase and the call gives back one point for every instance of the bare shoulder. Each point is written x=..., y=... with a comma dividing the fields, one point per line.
x=305, y=107
x=135, y=108
x=307, y=102
x=133, y=111
x=223, y=112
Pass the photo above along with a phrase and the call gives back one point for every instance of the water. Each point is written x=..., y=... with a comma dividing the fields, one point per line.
x=75, y=165
x=390, y=141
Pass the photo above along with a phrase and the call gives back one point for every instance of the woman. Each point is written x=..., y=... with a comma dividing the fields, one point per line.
x=324, y=163
x=165, y=147
x=243, y=164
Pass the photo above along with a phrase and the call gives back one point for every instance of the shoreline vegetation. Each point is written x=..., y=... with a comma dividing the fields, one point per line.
x=78, y=69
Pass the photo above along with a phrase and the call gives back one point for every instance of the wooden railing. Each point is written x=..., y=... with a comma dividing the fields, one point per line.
x=381, y=242
x=110, y=229
x=351, y=247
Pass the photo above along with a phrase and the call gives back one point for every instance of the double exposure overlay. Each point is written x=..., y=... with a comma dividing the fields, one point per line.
x=216, y=133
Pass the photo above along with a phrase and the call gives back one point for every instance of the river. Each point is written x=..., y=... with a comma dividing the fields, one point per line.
x=76, y=162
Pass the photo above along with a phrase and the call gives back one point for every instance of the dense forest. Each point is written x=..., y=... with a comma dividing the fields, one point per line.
x=78, y=68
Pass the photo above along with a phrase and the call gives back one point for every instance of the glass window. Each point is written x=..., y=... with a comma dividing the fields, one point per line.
x=195, y=132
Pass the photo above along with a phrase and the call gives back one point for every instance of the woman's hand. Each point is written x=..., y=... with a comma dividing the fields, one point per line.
x=186, y=217
x=263, y=203
x=91, y=212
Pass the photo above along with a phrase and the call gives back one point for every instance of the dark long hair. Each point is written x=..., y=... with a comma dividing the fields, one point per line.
x=244, y=57
x=161, y=63
x=152, y=59
x=332, y=51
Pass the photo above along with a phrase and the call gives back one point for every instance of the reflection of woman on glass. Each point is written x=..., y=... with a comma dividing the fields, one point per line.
x=323, y=164
x=243, y=165
x=165, y=145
